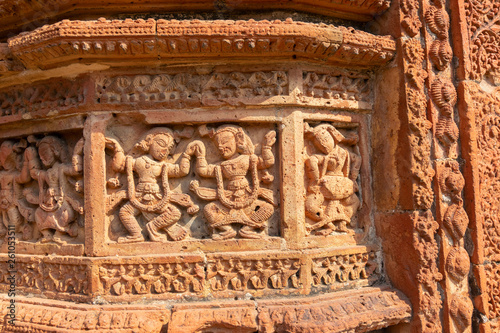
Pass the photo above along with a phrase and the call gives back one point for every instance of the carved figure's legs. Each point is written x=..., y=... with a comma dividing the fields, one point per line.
x=127, y=217
x=168, y=221
x=218, y=218
x=58, y=220
x=259, y=212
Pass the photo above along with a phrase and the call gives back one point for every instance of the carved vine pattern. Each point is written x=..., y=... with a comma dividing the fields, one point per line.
x=427, y=313
x=482, y=19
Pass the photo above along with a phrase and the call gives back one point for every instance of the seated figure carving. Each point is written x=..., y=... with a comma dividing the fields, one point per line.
x=238, y=202
x=331, y=199
x=147, y=198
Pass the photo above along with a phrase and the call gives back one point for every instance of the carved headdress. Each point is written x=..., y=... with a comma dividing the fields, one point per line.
x=243, y=142
x=175, y=136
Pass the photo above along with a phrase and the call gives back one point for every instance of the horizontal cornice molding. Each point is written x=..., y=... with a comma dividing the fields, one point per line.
x=171, y=41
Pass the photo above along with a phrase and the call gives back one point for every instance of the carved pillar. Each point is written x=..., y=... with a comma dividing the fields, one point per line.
x=476, y=46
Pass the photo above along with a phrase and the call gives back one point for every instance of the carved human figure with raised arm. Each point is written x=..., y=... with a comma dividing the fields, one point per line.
x=237, y=199
x=152, y=197
x=10, y=189
x=58, y=207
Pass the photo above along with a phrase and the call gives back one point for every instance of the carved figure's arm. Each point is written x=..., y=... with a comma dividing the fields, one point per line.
x=312, y=170
x=202, y=167
x=266, y=160
x=182, y=169
x=76, y=167
x=119, y=158
x=31, y=166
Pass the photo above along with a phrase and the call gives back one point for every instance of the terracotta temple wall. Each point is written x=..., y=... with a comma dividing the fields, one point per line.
x=249, y=166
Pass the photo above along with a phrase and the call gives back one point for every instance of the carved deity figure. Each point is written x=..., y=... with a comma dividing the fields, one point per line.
x=58, y=206
x=236, y=198
x=152, y=196
x=331, y=199
x=10, y=188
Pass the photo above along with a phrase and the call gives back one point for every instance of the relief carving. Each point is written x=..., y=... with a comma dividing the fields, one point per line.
x=438, y=22
x=22, y=100
x=11, y=196
x=332, y=168
x=58, y=206
x=482, y=20
x=455, y=218
x=343, y=268
x=256, y=274
x=419, y=126
x=150, y=195
x=38, y=276
x=239, y=199
x=457, y=263
x=195, y=88
x=424, y=242
x=411, y=20
x=42, y=183
x=133, y=279
x=444, y=97
x=337, y=86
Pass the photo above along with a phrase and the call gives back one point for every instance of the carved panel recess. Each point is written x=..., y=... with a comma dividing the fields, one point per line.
x=332, y=164
x=41, y=182
x=232, y=195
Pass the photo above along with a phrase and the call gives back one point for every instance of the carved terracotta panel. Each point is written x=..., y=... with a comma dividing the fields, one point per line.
x=192, y=183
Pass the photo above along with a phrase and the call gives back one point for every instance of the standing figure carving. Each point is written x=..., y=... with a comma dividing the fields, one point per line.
x=331, y=199
x=149, y=198
x=236, y=199
x=58, y=206
x=11, y=210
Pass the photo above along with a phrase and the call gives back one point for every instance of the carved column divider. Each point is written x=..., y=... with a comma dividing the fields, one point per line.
x=408, y=226
x=476, y=44
x=453, y=258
